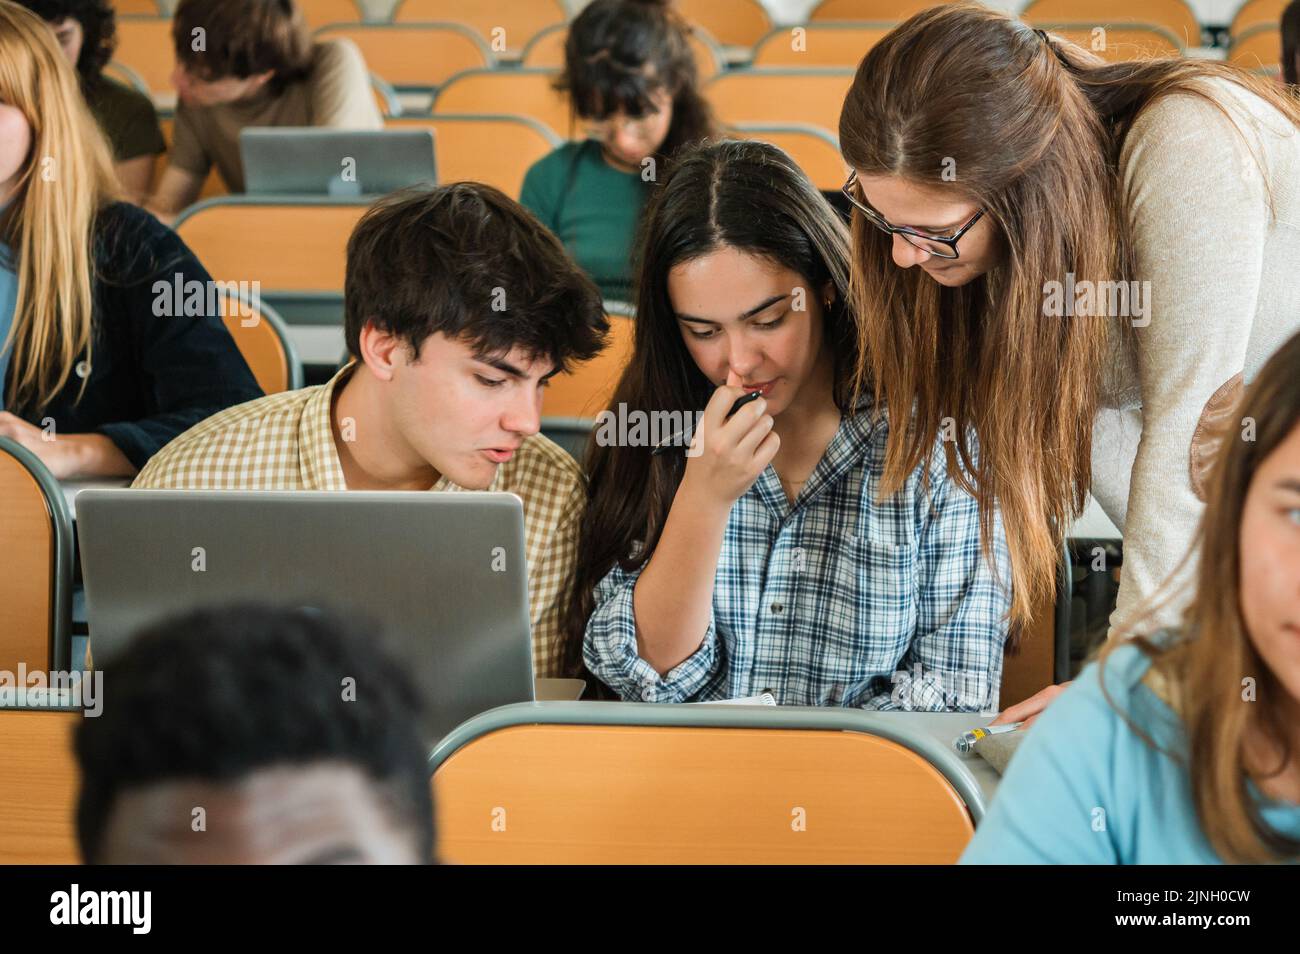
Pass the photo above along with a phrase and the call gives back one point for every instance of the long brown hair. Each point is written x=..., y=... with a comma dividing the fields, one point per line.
x=749, y=196
x=1030, y=128
x=1205, y=667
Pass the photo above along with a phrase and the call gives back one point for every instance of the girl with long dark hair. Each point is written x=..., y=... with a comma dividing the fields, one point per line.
x=764, y=556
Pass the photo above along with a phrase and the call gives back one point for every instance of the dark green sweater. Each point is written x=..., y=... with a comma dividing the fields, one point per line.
x=593, y=208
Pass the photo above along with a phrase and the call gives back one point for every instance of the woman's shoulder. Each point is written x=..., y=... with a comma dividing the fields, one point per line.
x=336, y=56
x=132, y=246
x=555, y=164
x=1126, y=687
x=1214, y=104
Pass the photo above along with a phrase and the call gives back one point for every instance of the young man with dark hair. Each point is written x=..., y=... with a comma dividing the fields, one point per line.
x=459, y=308
x=250, y=735
x=87, y=32
x=243, y=63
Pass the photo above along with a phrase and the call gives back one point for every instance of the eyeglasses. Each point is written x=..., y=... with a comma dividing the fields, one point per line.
x=938, y=245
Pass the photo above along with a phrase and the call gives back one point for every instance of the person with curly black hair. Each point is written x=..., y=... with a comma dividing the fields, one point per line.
x=254, y=735
x=87, y=32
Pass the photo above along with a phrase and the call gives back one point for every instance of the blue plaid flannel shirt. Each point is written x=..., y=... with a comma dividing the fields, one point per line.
x=838, y=600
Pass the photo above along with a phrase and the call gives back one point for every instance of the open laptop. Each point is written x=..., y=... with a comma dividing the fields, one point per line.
x=443, y=574
x=281, y=160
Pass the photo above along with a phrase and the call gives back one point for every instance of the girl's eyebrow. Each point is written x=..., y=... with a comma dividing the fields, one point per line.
x=763, y=306
x=936, y=229
x=1289, y=483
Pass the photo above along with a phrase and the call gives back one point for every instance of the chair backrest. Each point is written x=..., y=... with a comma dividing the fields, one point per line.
x=213, y=185
x=519, y=92
x=145, y=8
x=319, y=13
x=38, y=794
x=546, y=51
x=819, y=44
x=285, y=244
x=814, y=149
x=1038, y=655
x=145, y=45
x=1254, y=13
x=729, y=22
x=263, y=339
x=385, y=96
x=497, y=150
x=1259, y=48
x=781, y=96
x=1130, y=41
x=414, y=55
x=603, y=789
x=587, y=389
x=1174, y=15
x=36, y=585
x=897, y=10
x=570, y=433
x=506, y=25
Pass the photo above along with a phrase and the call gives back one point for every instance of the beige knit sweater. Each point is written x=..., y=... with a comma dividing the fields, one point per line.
x=1224, y=268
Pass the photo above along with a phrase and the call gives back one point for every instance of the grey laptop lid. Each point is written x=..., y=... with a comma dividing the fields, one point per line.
x=281, y=160
x=442, y=573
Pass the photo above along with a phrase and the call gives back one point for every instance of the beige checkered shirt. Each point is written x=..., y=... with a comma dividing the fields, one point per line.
x=285, y=442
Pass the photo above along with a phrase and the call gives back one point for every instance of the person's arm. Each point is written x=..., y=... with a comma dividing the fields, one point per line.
x=177, y=189
x=1057, y=802
x=674, y=596
x=68, y=455
x=139, y=142
x=136, y=178
x=182, y=180
x=188, y=366
x=341, y=97
x=1202, y=252
x=610, y=649
x=961, y=608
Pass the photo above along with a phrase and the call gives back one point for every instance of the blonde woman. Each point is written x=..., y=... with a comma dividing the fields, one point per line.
x=1184, y=748
x=98, y=372
x=1071, y=265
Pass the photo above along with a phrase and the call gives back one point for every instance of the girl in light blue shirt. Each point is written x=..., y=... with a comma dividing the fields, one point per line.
x=1185, y=747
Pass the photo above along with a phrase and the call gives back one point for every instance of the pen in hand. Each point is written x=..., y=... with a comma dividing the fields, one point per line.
x=676, y=440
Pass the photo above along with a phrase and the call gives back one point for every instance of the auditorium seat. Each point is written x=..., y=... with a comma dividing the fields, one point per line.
x=497, y=150
x=36, y=585
x=637, y=783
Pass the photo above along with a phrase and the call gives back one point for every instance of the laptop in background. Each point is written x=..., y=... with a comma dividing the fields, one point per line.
x=442, y=573
x=282, y=160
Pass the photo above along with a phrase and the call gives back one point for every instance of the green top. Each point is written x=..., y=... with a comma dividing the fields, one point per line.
x=127, y=117
x=593, y=208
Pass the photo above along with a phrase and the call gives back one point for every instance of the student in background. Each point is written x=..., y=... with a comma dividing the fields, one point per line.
x=94, y=379
x=767, y=560
x=631, y=78
x=252, y=735
x=1078, y=263
x=458, y=309
x=86, y=30
x=1183, y=746
x=258, y=66
x=1290, y=26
